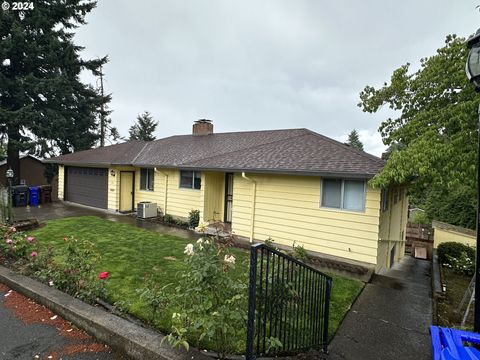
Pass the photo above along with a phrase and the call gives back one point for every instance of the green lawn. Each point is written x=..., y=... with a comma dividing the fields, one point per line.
x=130, y=254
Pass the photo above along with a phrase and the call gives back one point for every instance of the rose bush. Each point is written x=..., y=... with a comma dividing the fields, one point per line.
x=16, y=246
x=209, y=305
x=69, y=268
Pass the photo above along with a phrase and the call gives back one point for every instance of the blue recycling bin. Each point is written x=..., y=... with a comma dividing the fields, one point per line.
x=453, y=344
x=34, y=192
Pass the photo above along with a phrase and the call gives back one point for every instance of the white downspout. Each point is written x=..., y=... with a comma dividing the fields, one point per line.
x=254, y=195
x=165, y=192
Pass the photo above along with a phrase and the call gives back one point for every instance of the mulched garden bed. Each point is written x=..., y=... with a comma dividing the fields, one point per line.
x=29, y=312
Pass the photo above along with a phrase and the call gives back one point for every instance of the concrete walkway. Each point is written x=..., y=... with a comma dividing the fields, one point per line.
x=390, y=319
x=60, y=210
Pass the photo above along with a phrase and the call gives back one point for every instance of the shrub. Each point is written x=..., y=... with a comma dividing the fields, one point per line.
x=155, y=297
x=168, y=219
x=453, y=250
x=269, y=242
x=210, y=305
x=463, y=264
x=16, y=245
x=298, y=252
x=193, y=218
x=420, y=217
x=181, y=223
x=74, y=272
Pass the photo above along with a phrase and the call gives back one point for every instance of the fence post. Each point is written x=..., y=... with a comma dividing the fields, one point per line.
x=249, y=355
x=325, y=318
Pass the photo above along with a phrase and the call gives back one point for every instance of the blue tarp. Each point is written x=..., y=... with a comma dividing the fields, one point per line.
x=452, y=344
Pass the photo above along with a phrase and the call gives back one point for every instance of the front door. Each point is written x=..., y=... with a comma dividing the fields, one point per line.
x=228, y=197
x=126, y=191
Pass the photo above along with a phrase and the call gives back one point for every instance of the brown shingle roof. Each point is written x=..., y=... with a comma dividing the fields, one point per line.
x=178, y=150
x=118, y=154
x=283, y=151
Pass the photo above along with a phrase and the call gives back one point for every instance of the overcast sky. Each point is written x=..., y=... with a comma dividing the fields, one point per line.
x=264, y=64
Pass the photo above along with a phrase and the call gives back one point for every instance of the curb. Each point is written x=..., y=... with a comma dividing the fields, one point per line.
x=130, y=339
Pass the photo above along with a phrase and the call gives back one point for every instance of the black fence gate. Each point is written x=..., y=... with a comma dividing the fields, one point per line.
x=288, y=305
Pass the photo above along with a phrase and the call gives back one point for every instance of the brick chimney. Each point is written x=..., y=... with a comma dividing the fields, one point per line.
x=202, y=127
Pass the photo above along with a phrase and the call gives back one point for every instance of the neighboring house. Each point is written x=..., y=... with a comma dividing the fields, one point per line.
x=290, y=185
x=32, y=173
x=444, y=232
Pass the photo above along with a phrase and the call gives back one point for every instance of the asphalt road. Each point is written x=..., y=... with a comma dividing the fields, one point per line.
x=27, y=331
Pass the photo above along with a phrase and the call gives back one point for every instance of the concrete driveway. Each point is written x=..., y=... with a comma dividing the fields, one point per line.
x=391, y=317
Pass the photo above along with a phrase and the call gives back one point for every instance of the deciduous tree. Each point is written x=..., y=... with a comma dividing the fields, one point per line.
x=436, y=123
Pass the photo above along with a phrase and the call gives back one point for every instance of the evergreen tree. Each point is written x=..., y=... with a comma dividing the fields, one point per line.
x=354, y=140
x=44, y=107
x=143, y=128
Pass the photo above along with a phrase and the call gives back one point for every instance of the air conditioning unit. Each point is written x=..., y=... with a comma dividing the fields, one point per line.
x=146, y=209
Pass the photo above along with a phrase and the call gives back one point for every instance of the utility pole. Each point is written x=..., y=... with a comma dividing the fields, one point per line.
x=102, y=113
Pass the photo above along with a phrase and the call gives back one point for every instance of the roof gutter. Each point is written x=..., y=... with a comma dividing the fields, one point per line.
x=254, y=197
x=165, y=193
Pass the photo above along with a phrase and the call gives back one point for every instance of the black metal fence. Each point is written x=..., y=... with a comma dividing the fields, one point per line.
x=288, y=305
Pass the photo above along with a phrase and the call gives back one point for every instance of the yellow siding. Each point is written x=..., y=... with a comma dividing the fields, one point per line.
x=392, y=228
x=61, y=181
x=212, y=196
x=287, y=209
x=442, y=235
x=158, y=194
x=179, y=201
x=114, y=186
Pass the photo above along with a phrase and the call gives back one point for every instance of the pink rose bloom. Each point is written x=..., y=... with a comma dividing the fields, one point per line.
x=12, y=229
x=103, y=275
x=9, y=241
x=30, y=239
x=33, y=254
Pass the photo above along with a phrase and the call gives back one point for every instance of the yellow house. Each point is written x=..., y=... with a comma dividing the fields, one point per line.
x=290, y=185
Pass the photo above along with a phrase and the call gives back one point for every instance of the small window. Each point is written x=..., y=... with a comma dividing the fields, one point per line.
x=332, y=193
x=353, y=195
x=190, y=179
x=343, y=194
x=146, y=179
x=384, y=199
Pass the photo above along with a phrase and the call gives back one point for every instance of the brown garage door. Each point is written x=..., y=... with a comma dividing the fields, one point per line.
x=87, y=186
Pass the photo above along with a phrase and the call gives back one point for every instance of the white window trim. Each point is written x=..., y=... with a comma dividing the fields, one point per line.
x=193, y=180
x=341, y=208
x=146, y=182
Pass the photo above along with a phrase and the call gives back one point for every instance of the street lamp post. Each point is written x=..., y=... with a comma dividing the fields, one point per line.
x=473, y=73
x=9, y=174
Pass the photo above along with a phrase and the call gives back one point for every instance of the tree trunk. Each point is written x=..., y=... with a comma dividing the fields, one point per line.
x=13, y=153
